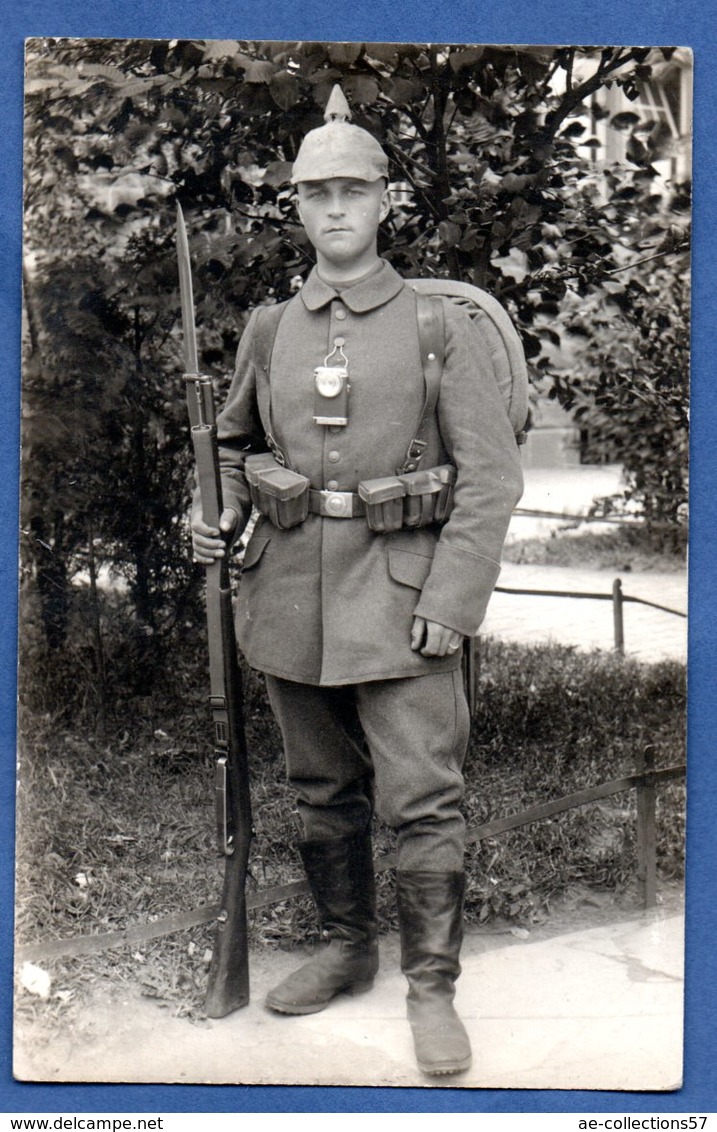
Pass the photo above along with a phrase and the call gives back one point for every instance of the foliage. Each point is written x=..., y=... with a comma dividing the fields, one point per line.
x=630, y=385
x=496, y=185
x=623, y=547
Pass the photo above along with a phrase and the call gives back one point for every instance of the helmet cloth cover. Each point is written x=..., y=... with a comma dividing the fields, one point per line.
x=339, y=149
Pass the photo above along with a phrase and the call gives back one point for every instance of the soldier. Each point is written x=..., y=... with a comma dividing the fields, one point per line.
x=359, y=630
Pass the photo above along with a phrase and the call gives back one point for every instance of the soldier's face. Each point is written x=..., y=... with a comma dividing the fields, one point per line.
x=341, y=216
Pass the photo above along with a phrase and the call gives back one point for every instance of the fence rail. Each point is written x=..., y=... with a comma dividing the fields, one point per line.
x=645, y=781
x=616, y=596
x=636, y=523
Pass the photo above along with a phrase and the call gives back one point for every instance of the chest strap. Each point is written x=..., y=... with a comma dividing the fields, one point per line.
x=432, y=347
x=267, y=324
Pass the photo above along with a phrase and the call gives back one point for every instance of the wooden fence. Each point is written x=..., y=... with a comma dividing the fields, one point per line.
x=616, y=596
x=645, y=781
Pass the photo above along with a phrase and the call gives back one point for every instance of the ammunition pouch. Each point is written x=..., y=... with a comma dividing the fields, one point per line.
x=389, y=503
x=276, y=491
x=383, y=499
x=412, y=499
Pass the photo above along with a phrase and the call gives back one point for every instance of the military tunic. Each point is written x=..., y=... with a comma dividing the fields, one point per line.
x=329, y=602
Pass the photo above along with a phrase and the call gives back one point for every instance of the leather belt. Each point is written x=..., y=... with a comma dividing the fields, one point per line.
x=336, y=504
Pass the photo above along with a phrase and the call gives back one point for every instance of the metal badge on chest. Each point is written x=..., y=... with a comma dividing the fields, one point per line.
x=331, y=388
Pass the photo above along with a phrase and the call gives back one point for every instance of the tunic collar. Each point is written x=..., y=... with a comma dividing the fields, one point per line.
x=366, y=295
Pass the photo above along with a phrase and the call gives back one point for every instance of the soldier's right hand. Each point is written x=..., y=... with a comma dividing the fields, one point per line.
x=208, y=543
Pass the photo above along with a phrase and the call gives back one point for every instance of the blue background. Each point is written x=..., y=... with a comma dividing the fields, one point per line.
x=691, y=23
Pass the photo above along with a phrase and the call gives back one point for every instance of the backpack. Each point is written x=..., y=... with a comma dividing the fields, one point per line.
x=500, y=336
x=503, y=344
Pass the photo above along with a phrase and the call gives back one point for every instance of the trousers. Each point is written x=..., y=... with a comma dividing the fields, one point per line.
x=398, y=745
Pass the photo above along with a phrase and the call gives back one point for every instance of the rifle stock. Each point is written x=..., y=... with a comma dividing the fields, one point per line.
x=228, y=986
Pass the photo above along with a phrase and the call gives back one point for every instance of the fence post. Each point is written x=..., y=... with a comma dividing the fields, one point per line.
x=617, y=618
x=646, y=832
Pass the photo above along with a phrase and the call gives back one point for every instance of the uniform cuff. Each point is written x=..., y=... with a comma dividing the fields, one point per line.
x=458, y=589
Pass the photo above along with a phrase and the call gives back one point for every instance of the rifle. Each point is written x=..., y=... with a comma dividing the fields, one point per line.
x=228, y=987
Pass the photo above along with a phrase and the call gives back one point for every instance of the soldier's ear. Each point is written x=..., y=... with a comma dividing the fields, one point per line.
x=385, y=207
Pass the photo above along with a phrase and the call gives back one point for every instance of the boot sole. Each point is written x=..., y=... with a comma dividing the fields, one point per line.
x=316, y=1007
x=446, y=1070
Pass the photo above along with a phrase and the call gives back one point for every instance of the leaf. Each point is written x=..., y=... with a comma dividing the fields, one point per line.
x=277, y=173
x=35, y=980
x=531, y=345
x=465, y=58
x=143, y=86
x=574, y=130
x=221, y=48
x=519, y=933
x=449, y=233
x=343, y=54
x=256, y=70
x=285, y=89
x=402, y=91
x=362, y=89
x=383, y=52
x=624, y=121
x=99, y=70
x=513, y=182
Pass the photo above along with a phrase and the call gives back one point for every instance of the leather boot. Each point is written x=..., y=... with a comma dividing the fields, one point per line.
x=430, y=916
x=340, y=875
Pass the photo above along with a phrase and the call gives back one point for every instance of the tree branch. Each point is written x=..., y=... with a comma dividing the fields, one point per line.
x=577, y=94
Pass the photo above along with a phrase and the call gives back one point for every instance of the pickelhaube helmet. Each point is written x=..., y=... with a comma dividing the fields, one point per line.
x=339, y=149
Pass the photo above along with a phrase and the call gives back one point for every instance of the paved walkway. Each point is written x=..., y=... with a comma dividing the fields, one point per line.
x=596, y=1008
x=650, y=634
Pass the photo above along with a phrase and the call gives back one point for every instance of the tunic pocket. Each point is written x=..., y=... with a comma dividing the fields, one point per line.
x=408, y=567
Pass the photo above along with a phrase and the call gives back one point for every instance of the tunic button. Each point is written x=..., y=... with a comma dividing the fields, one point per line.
x=340, y=313
x=333, y=485
x=334, y=456
x=336, y=428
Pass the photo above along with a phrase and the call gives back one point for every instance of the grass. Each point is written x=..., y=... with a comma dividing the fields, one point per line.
x=116, y=830
x=620, y=548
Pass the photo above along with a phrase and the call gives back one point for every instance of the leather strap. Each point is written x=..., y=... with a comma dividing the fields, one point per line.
x=266, y=326
x=432, y=347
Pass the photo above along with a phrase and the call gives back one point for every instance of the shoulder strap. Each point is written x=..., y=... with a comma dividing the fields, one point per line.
x=265, y=328
x=432, y=347
x=501, y=342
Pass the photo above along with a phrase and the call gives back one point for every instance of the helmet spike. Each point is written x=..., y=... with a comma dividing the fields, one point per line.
x=337, y=108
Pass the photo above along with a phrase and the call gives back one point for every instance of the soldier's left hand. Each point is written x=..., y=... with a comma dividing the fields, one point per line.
x=432, y=639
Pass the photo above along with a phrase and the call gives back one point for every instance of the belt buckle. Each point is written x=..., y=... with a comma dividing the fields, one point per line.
x=337, y=504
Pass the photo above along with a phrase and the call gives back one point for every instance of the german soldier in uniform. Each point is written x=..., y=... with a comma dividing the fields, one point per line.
x=352, y=604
